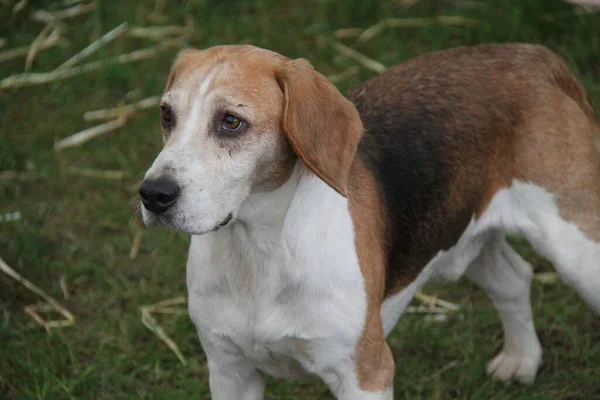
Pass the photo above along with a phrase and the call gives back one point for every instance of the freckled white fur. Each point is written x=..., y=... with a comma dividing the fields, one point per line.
x=280, y=290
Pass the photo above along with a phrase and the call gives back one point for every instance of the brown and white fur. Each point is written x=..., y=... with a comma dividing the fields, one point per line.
x=317, y=220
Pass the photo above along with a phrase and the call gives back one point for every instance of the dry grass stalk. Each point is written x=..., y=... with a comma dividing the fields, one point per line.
x=346, y=33
x=361, y=58
x=2, y=42
x=10, y=217
x=427, y=310
x=50, y=41
x=88, y=134
x=97, y=173
x=587, y=5
x=435, y=301
x=168, y=302
x=18, y=175
x=32, y=309
x=150, y=323
x=159, y=32
x=546, y=277
x=346, y=74
x=156, y=14
x=435, y=318
x=64, y=287
x=137, y=240
x=125, y=110
x=43, y=36
x=170, y=310
x=21, y=80
x=51, y=16
x=108, y=37
x=452, y=20
x=19, y=6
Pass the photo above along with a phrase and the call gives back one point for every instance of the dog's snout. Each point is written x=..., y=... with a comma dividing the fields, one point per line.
x=158, y=195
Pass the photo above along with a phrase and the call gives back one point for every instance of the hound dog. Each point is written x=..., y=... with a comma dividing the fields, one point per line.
x=316, y=217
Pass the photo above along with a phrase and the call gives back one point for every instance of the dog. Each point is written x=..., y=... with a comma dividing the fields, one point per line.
x=315, y=217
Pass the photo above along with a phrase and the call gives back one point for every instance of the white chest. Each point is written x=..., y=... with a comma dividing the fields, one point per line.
x=288, y=301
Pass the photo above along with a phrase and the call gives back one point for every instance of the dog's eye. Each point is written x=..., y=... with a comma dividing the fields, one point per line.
x=166, y=116
x=232, y=123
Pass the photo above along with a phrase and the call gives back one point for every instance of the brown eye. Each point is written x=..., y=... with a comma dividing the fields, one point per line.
x=166, y=116
x=232, y=123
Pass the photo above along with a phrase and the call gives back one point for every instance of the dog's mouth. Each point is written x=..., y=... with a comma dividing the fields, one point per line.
x=167, y=220
x=227, y=219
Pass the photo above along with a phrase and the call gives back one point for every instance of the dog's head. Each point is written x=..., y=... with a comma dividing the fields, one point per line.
x=234, y=121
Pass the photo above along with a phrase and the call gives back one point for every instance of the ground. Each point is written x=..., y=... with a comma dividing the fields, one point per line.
x=80, y=230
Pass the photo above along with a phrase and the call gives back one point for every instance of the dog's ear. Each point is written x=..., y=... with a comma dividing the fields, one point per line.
x=323, y=127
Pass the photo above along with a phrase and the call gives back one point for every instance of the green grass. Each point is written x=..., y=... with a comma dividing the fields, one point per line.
x=81, y=229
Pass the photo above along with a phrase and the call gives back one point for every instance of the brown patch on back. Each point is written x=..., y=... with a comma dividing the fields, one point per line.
x=374, y=361
x=558, y=153
x=554, y=145
x=446, y=131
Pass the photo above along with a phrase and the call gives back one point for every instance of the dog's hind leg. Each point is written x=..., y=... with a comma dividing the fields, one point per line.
x=573, y=246
x=506, y=278
x=558, y=193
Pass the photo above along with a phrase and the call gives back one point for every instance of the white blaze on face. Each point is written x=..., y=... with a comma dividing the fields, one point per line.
x=214, y=171
x=190, y=158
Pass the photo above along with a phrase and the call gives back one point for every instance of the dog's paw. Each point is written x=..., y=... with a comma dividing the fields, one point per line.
x=519, y=367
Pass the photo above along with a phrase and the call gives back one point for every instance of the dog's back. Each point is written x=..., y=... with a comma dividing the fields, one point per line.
x=446, y=131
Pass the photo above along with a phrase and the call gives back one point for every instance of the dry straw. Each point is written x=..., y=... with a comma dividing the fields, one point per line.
x=52, y=16
x=107, y=38
x=46, y=77
x=51, y=304
x=164, y=307
x=126, y=110
x=88, y=134
x=49, y=41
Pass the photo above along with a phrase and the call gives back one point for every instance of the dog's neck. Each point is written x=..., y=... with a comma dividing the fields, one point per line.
x=264, y=216
x=264, y=213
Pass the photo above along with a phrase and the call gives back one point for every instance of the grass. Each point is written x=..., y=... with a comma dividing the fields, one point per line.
x=82, y=228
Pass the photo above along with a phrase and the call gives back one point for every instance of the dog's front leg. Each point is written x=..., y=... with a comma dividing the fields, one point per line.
x=231, y=376
x=363, y=375
x=235, y=382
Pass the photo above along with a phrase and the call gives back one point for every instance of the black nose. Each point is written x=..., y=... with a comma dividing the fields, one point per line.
x=157, y=196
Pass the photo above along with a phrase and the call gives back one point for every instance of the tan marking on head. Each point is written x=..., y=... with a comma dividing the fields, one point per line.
x=323, y=127
x=374, y=361
x=218, y=168
x=245, y=78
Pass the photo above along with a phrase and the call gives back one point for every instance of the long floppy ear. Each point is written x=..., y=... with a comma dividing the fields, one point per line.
x=323, y=127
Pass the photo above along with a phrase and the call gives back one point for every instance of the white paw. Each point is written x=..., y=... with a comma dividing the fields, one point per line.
x=518, y=367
